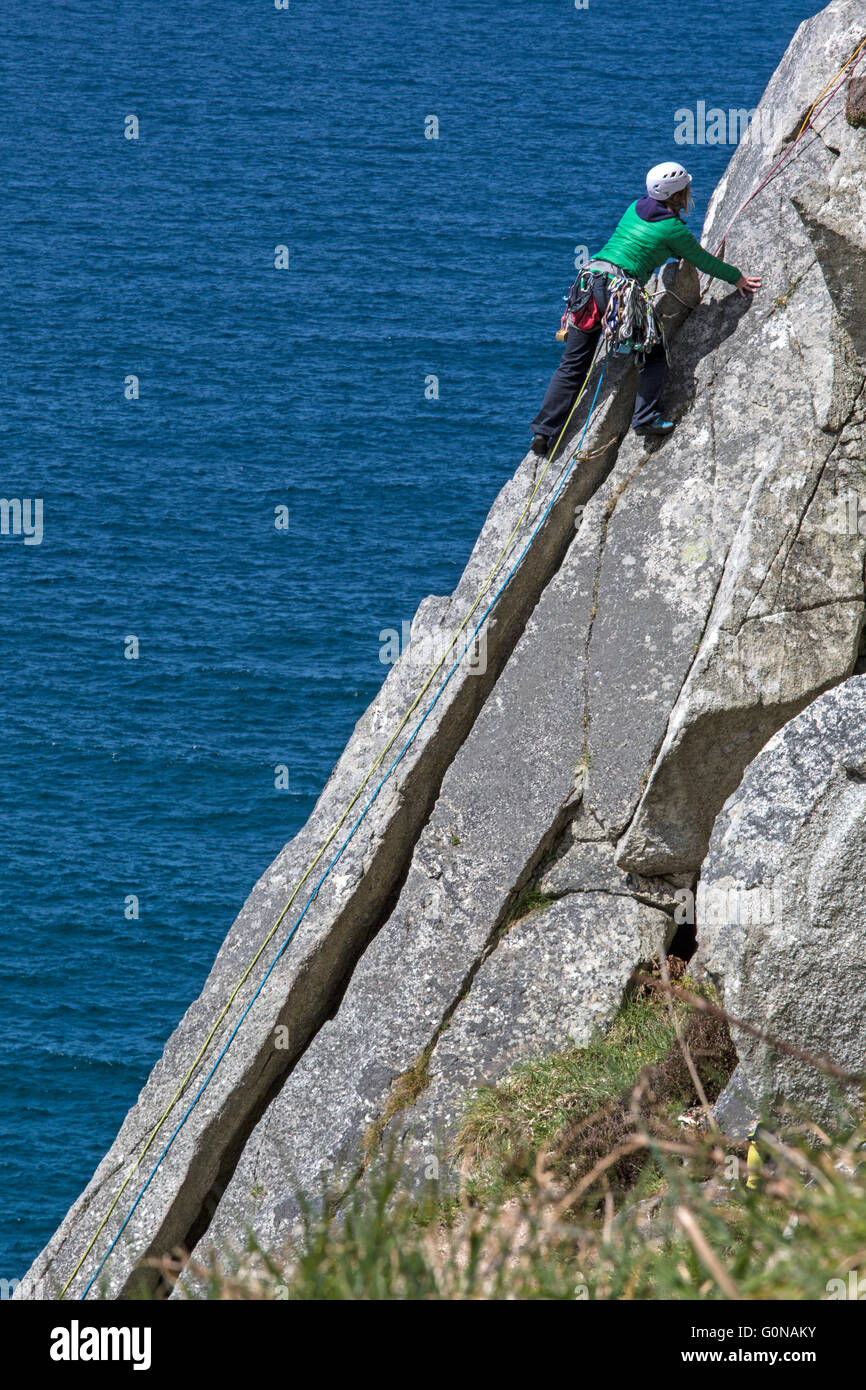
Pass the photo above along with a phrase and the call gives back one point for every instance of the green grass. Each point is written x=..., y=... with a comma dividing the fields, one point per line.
x=538, y=1100
x=781, y=300
x=789, y=1240
x=585, y=1183
x=532, y=899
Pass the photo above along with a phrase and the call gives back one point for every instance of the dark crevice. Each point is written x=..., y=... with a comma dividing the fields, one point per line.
x=789, y=539
x=793, y=612
x=596, y=584
x=685, y=941
x=538, y=861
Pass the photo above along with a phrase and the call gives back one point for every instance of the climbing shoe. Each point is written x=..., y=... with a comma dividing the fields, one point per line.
x=540, y=445
x=657, y=427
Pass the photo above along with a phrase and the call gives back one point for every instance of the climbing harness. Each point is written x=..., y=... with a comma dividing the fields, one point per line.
x=617, y=301
x=632, y=320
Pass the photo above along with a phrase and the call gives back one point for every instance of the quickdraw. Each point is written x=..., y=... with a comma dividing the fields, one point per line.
x=629, y=323
x=618, y=302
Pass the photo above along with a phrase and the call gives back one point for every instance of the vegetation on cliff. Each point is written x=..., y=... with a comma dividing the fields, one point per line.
x=592, y=1174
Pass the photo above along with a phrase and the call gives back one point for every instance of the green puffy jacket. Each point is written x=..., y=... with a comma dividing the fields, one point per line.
x=638, y=247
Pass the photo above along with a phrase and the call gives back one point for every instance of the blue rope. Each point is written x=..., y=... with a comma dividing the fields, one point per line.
x=315, y=891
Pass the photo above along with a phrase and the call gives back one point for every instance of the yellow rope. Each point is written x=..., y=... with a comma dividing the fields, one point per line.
x=846, y=64
x=311, y=866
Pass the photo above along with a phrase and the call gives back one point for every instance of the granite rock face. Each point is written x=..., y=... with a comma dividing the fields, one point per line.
x=782, y=907
x=507, y=801
x=737, y=1110
x=679, y=605
x=855, y=104
x=766, y=463
x=556, y=980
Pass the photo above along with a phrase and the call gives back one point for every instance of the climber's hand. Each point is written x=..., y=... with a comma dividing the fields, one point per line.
x=747, y=284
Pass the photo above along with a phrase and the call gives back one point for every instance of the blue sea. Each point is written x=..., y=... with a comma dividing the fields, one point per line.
x=170, y=394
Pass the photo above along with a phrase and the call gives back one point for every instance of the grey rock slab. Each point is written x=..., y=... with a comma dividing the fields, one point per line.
x=504, y=798
x=736, y=1111
x=775, y=442
x=583, y=862
x=833, y=211
x=781, y=906
x=813, y=57
x=555, y=980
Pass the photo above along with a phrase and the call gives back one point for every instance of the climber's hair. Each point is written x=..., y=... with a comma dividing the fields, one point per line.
x=681, y=201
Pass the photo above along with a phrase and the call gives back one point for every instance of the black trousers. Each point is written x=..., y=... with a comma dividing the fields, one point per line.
x=571, y=374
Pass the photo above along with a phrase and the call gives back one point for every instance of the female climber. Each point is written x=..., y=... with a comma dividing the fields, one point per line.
x=650, y=231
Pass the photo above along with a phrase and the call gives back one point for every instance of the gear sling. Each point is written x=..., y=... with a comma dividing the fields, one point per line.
x=607, y=301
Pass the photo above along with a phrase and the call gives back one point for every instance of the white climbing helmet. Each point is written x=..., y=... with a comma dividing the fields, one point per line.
x=665, y=179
